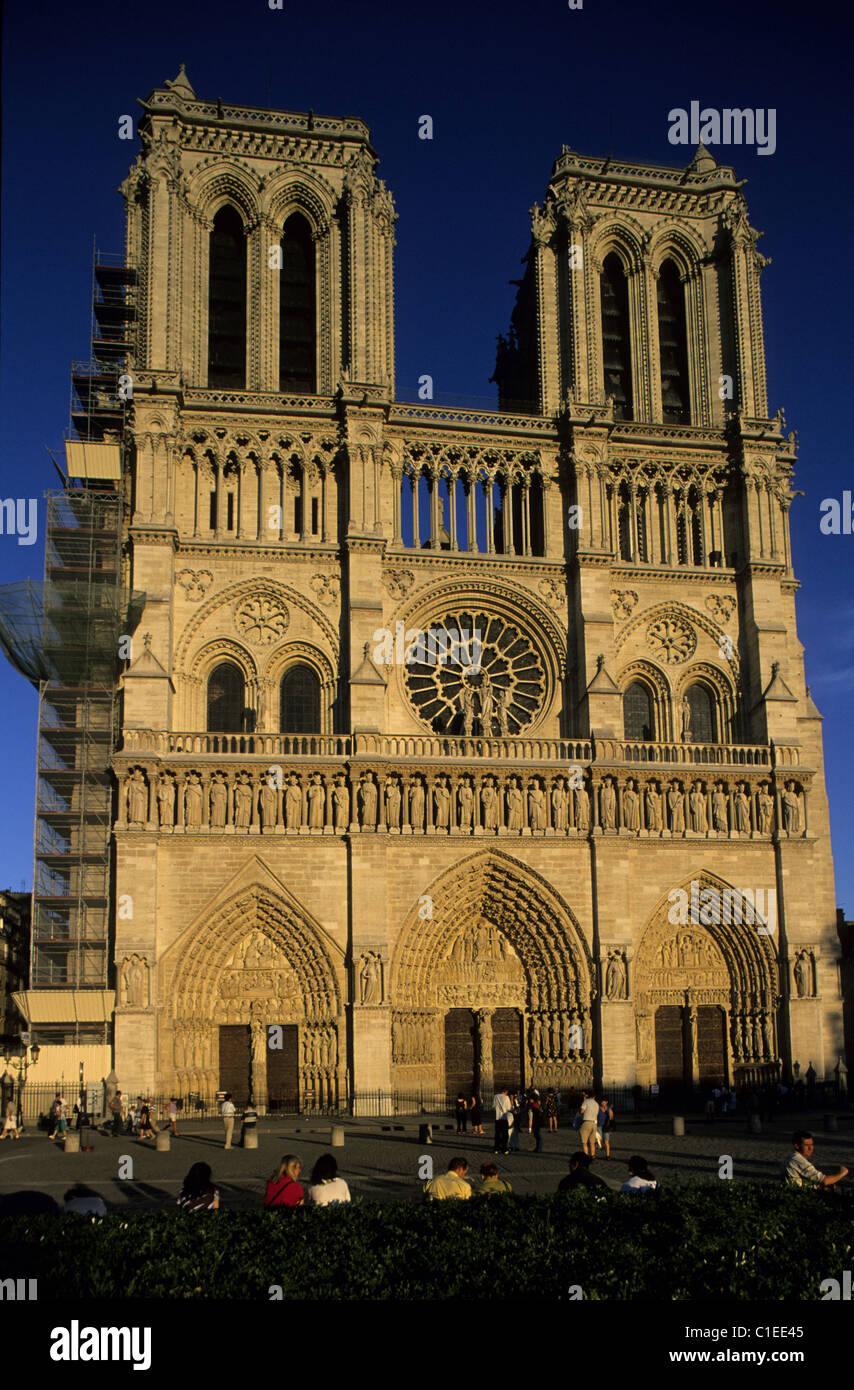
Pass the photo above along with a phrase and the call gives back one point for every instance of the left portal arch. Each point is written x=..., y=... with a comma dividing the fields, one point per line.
x=255, y=960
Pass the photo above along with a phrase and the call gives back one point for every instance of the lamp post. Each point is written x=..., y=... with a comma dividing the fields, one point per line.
x=21, y=1064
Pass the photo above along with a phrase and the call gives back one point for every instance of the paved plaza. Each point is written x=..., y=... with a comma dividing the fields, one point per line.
x=380, y=1157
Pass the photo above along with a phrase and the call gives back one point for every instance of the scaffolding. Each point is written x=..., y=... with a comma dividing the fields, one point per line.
x=97, y=404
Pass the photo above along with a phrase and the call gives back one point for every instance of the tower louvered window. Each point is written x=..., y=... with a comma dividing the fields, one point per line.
x=297, y=326
x=227, y=302
x=672, y=346
x=616, y=342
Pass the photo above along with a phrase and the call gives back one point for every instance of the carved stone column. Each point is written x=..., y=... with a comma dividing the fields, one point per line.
x=485, y=1080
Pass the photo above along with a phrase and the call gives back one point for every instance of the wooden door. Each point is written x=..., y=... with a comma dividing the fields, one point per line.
x=507, y=1049
x=669, y=1045
x=460, y=1032
x=283, y=1072
x=235, y=1051
x=711, y=1044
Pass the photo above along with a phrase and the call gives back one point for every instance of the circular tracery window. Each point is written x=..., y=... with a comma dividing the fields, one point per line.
x=473, y=673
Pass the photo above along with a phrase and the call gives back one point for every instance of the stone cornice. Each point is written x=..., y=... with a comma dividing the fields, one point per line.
x=148, y=535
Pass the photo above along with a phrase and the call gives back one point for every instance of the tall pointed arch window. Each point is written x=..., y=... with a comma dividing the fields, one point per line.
x=226, y=699
x=297, y=315
x=637, y=713
x=673, y=347
x=703, y=719
x=299, y=701
x=616, y=340
x=227, y=301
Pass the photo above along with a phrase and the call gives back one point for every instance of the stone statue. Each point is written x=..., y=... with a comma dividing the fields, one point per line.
x=219, y=802
x=686, y=719
x=416, y=804
x=259, y=1043
x=442, y=803
x=242, y=802
x=608, y=805
x=293, y=803
x=489, y=804
x=582, y=808
x=341, y=803
x=514, y=806
x=370, y=979
x=268, y=806
x=135, y=982
x=466, y=800
x=137, y=798
x=653, y=807
x=699, y=821
x=741, y=807
x=757, y=1038
x=719, y=809
x=802, y=975
x=193, y=802
x=768, y=1031
x=559, y=806
x=631, y=807
x=316, y=802
x=615, y=976
x=791, y=810
x=392, y=803
x=369, y=801
x=166, y=801
x=765, y=806
x=486, y=705
x=537, y=806
x=467, y=706
x=502, y=703
x=676, y=802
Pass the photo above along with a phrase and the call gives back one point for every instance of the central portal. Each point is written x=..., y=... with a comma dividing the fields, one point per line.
x=282, y=1068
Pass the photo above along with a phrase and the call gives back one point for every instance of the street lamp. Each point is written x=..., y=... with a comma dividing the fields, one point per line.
x=21, y=1064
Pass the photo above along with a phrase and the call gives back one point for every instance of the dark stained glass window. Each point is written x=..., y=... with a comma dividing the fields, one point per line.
x=616, y=342
x=673, y=347
x=300, y=702
x=227, y=302
x=297, y=325
x=226, y=699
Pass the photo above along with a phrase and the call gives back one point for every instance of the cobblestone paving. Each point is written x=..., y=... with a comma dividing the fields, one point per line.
x=380, y=1159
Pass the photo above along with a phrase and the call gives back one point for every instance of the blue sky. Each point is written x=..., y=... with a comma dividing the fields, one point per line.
x=506, y=86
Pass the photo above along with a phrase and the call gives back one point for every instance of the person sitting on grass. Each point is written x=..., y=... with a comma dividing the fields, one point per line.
x=283, y=1190
x=451, y=1184
x=198, y=1192
x=326, y=1189
x=490, y=1183
x=579, y=1174
x=640, y=1178
x=798, y=1170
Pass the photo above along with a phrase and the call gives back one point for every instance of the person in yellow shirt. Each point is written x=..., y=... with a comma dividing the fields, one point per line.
x=451, y=1184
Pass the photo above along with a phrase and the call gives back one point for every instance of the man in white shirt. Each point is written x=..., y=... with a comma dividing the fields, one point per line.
x=227, y=1110
x=589, y=1111
x=503, y=1108
x=799, y=1171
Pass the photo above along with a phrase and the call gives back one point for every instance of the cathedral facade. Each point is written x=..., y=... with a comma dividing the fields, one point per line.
x=457, y=748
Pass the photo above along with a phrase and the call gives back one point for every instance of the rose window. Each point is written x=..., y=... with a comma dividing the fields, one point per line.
x=474, y=673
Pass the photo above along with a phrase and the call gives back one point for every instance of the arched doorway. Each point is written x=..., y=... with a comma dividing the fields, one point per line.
x=493, y=989
x=706, y=1000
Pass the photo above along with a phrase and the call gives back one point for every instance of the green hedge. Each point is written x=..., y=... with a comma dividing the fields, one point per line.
x=721, y=1241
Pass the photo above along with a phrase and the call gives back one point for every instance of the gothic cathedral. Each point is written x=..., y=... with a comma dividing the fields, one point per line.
x=457, y=748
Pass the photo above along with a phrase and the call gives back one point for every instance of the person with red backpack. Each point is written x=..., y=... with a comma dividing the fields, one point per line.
x=283, y=1190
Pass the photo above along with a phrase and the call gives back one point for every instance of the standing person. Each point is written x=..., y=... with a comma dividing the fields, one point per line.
x=588, y=1111
x=503, y=1110
x=798, y=1170
x=605, y=1122
x=514, y=1122
x=116, y=1112
x=550, y=1109
x=451, y=1184
x=198, y=1192
x=146, y=1129
x=640, y=1178
x=476, y=1115
x=537, y=1122
x=173, y=1116
x=59, y=1120
x=461, y=1111
x=228, y=1111
x=326, y=1189
x=283, y=1189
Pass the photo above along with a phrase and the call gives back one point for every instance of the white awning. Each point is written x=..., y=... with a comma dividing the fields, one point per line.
x=66, y=1005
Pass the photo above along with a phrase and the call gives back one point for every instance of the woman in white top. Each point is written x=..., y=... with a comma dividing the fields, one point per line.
x=326, y=1188
x=640, y=1178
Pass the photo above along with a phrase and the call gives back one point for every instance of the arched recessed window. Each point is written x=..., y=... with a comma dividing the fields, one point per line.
x=673, y=347
x=616, y=341
x=299, y=701
x=637, y=713
x=703, y=725
x=297, y=323
x=226, y=699
x=227, y=301
x=624, y=522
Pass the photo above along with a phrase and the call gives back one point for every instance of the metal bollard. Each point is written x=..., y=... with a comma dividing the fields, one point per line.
x=250, y=1137
x=425, y=1134
x=678, y=1126
x=337, y=1136
x=162, y=1142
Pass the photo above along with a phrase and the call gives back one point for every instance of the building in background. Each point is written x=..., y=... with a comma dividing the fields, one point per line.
x=453, y=749
x=14, y=962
